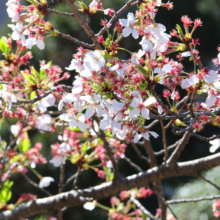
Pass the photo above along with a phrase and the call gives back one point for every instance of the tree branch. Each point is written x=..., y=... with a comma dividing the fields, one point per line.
x=83, y=24
x=83, y=44
x=59, y=12
x=79, y=197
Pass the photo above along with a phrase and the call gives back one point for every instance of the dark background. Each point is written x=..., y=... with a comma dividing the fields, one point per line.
x=60, y=52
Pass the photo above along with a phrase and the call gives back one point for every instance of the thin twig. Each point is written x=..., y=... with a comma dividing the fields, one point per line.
x=59, y=12
x=83, y=44
x=176, y=201
x=164, y=142
x=77, y=177
x=208, y=181
x=142, y=157
x=143, y=209
x=171, y=147
x=135, y=166
x=69, y=180
x=83, y=24
x=36, y=185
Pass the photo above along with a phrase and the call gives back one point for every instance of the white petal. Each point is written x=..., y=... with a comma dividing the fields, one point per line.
x=145, y=113
x=146, y=135
x=135, y=34
x=193, y=80
x=115, y=67
x=90, y=111
x=186, y=54
x=73, y=123
x=126, y=31
x=137, y=137
x=82, y=126
x=154, y=134
x=40, y=44
x=134, y=113
x=123, y=22
x=89, y=206
x=150, y=101
x=185, y=83
x=211, y=100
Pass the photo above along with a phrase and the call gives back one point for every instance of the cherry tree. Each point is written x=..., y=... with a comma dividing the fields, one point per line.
x=112, y=105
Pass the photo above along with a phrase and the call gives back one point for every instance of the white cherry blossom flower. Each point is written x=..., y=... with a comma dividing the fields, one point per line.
x=192, y=80
x=129, y=24
x=140, y=106
x=61, y=157
x=45, y=181
x=136, y=57
x=147, y=46
x=44, y=122
x=211, y=77
x=30, y=42
x=145, y=135
x=13, y=11
x=74, y=121
x=46, y=102
x=17, y=32
x=75, y=65
x=156, y=34
x=93, y=62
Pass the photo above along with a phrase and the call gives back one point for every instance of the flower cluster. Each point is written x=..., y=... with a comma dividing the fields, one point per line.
x=111, y=102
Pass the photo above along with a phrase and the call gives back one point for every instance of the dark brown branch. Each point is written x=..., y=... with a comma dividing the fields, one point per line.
x=83, y=24
x=59, y=12
x=208, y=181
x=79, y=197
x=142, y=157
x=157, y=184
x=171, y=147
x=135, y=166
x=164, y=142
x=182, y=143
x=83, y=44
x=70, y=179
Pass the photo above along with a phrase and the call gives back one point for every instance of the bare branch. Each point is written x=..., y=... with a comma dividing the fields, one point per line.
x=182, y=143
x=208, y=181
x=83, y=24
x=171, y=147
x=176, y=201
x=79, y=197
x=83, y=44
x=59, y=12
x=135, y=166
x=143, y=209
x=142, y=157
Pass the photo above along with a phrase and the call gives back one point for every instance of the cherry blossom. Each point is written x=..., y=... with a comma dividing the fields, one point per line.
x=129, y=24
x=140, y=106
